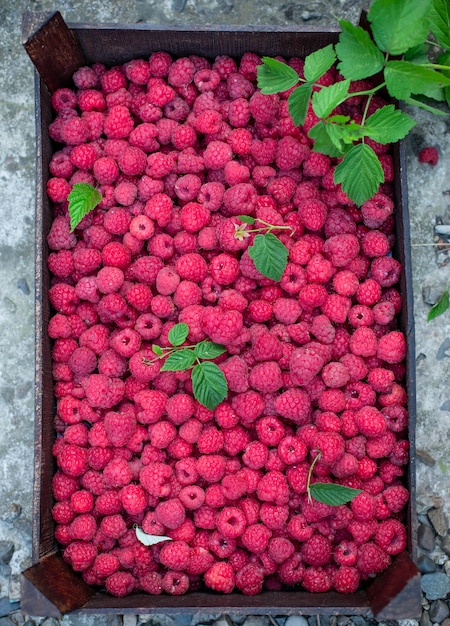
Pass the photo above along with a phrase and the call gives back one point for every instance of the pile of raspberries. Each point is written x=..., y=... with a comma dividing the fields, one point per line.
x=314, y=363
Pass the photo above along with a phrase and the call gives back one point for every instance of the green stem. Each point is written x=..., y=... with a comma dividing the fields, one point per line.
x=308, y=483
x=436, y=66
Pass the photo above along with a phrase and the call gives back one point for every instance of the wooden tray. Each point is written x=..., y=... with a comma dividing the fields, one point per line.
x=49, y=586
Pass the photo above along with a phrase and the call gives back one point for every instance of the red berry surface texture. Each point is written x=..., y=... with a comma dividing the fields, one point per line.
x=314, y=362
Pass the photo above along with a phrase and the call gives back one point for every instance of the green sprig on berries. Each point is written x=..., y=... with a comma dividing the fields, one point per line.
x=209, y=384
x=83, y=199
x=397, y=47
x=268, y=253
x=329, y=493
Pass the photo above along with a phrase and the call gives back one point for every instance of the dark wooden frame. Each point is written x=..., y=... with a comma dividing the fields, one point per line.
x=49, y=586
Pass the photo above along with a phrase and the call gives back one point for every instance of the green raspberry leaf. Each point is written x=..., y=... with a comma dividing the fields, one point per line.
x=417, y=54
x=360, y=173
x=157, y=349
x=209, y=385
x=440, y=307
x=323, y=142
x=246, y=219
x=149, y=540
x=83, y=199
x=208, y=350
x=319, y=62
x=179, y=361
x=404, y=78
x=178, y=334
x=274, y=76
x=298, y=102
x=358, y=55
x=332, y=494
x=388, y=124
x=328, y=98
x=399, y=24
x=440, y=22
x=270, y=256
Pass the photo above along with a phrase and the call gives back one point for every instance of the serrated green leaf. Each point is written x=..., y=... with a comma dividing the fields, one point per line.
x=83, y=198
x=345, y=134
x=208, y=350
x=398, y=25
x=319, y=62
x=388, y=124
x=332, y=493
x=360, y=173
x=179, y=361
x=427, y=107
x=440, y=22
x=270, y=255
x=157, y=349
x=358, y=55
x=328, y=98
x=246, y=219
x=274, y=76
x=150, y=540
x=323, y=142
x=404, y=78
x=440, y=307
x=178, y=334
x=298, y=102
x=209, y=384
x=417, y=54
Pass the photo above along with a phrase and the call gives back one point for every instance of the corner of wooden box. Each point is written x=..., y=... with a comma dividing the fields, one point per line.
x=50, y=588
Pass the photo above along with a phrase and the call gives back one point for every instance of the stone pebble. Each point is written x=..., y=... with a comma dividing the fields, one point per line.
x=426, y=537
x=439, y=611
x=436, y=585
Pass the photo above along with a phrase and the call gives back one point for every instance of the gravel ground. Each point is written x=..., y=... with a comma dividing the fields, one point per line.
x=428, y=190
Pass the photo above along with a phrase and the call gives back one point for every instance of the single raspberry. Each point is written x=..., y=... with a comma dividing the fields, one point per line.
x=294, y=404
x=391, y=537
x=312, y=213
x=396, y=497
x=220, y=325
x=316, y=164
x=292, y=570
x=270, y=430
x=80, y=555
x=305, y=362
x=175, y=555
x=375, y=244
x=255, y=538
x=370, y=421
x=211, y=467
x=346, y=579
x=372, y=560
x=113, y=526
x=118, y=122
x=312, y=296
x=120, y=584
x=392, y=347
x=171, y=513
x=316, y=550
x=363, y=342
x=266, y=377
x=220, y=577
x=316, y=580
x=273, y=487
x=240, y=199
x=376, y=210
x=429, y=155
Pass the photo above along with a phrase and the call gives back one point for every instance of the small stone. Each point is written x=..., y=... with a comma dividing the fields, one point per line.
x=22, y=284
x=436, y=585
x=439, y=521
x=426, y=537
x=431, y=293
x=446, y=622
x=6, y=621
x=443, y=350
x=425, y=457
x=6, y=551
x=445, y=544
x=439, y=611
x=260, y=620
x=129, y=619
x=426, y=565
x=12, y=513
x=296, y=620
x=7, y=607
x=425, y=619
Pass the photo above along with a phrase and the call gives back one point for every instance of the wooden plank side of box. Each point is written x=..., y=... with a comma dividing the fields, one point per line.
x=112, y=45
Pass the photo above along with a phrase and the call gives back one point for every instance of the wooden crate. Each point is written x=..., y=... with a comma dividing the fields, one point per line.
x=49, y=586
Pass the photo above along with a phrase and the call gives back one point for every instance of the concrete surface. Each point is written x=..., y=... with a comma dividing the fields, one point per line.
x=427, y=199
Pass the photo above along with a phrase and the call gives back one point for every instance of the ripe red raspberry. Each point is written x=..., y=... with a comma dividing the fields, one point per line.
x=266, y=377
x=220, y=325
x=312, y=213
x=341, y=249
x=80, y=555
x=171, y=513
x=363, y=342
x=391, y=537
x=231, y=522
x=211, y=467
x=316, y=164
x=376, y=210
x=346, y=579
x=312, y=296
x=113, y=526
x=120, y=584
x=181, y=72
x=375, y=244
x=118, y=122
x=305, y=362
x=273, y=487
x=370, y=421
x=256, y=538
x=316, y=550
x=392, y=347
x=191, y=266
x=270, y=430
x=429, y=155
x=396, y=497
x=175, y=555
x=372, y=560
x=240, y=199
x=72, y=460
x=290, y=153
x=220, y=577
x=294, y=404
